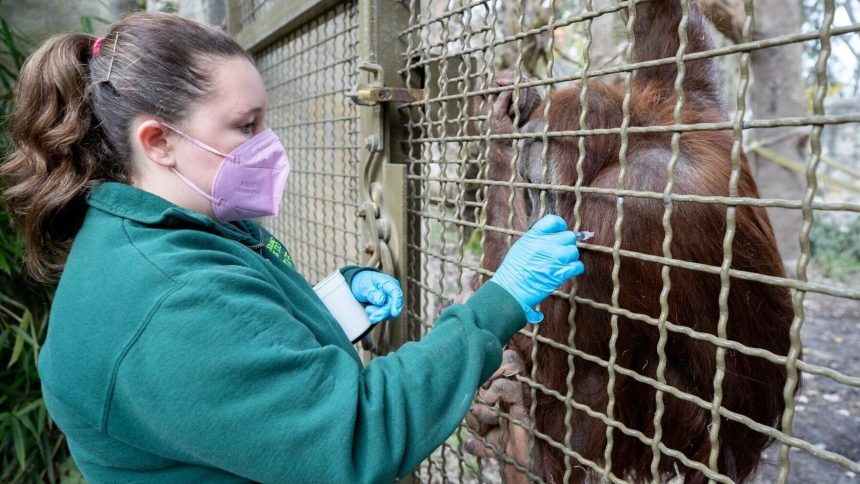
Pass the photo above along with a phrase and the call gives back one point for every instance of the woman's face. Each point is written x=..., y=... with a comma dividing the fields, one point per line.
x=231, y=115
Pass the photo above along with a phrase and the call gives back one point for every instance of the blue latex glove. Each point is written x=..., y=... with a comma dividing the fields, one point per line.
x=381, y=291
x=543, y=259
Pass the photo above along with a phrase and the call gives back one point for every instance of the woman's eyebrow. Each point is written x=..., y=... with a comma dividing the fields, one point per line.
x=255, y=109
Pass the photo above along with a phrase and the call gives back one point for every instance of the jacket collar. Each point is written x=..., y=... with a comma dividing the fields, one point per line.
x=141, y=206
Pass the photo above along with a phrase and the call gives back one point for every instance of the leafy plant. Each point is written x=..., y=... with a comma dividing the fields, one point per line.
x=31, y=447
x=836, y=246
x=87, y=20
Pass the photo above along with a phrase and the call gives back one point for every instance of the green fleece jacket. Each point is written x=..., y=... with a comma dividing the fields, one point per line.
x=184, y=350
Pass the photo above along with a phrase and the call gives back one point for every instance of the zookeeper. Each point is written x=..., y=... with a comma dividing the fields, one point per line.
x=183, y=345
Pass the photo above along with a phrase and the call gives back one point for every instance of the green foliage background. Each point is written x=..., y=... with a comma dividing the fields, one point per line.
x=32, y=449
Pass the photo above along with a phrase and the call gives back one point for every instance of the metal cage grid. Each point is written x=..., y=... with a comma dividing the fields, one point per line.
x=306, y=74
x=459, y=41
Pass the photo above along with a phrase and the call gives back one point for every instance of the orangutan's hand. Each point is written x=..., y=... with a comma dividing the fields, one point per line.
x=502, y=391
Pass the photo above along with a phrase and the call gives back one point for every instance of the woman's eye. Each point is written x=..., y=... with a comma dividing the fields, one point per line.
x=247, y=129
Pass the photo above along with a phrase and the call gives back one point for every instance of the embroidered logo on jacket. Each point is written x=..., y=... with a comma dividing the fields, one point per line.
x=279, y=251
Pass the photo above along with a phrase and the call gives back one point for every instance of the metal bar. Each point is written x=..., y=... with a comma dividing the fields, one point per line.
x=725, y=284
x=544, y=159
x=667, y=251
x=490, y=12
x=734, y=416
x=515, y=154
x=382, y=175
x=805, y=256
x=441, y=41
x=616, y=247
x=627, y=67
x=577, y=217
x=465, y=21
x=815, y=120
x=546, y=28
x=605, y=419
x=677, y=197
x=687, y=331
x=749, y=276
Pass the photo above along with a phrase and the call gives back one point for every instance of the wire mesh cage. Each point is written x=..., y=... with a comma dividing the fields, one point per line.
x=306, y=74
x=710, y=148
x=681, y=352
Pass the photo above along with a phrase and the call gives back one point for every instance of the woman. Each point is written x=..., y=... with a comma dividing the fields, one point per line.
x=183, y=346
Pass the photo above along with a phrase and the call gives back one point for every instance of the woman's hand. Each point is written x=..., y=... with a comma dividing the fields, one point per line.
x=381, y=291
x=543, y=259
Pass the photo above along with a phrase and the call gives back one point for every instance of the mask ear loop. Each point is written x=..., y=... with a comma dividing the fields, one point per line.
x=198, y=143
x=186, y=180
x=194, y=187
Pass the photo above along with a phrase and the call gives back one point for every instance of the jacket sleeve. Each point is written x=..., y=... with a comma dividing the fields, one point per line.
x=226, y=375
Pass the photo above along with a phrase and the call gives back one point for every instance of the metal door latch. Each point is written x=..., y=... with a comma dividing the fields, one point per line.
x=375, y=93
x=368, y=96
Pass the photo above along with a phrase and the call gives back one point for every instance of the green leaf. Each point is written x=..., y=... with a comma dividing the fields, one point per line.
x=19, y=340
x=30, y=406
x=28, y=424
x=48, y=457
x=18, y=442
x=87, y=24
x=13, y=302
x=9, y=41
x=4, y=264
x=35, y=337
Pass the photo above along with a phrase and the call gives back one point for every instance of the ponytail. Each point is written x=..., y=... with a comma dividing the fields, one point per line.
x=73, y=114
x=56, y=152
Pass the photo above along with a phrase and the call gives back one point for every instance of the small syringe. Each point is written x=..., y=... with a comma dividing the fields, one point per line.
x=580, y=236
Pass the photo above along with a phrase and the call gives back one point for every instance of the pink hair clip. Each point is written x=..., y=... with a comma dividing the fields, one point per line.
x=97, y=45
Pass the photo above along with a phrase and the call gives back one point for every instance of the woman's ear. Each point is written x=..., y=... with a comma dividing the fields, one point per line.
x=154, y=141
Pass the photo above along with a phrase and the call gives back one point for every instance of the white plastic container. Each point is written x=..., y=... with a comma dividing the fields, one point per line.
x=349, y=313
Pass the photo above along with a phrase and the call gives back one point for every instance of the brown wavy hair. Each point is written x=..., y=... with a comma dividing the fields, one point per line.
x=72, y=114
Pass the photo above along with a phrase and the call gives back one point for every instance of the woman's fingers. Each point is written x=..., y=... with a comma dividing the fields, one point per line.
x=550, y=224
x=568, y=254
x=395, y=295
x=575, y=269
x=376, y=297
x=375, y=314
x=562, y=238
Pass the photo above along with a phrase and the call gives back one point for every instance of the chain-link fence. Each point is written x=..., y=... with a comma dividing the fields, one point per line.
x=659, y=388
x=682, y=350
x=306, y=74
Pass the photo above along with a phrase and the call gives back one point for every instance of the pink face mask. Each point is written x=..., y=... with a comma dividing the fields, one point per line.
x=250, y=181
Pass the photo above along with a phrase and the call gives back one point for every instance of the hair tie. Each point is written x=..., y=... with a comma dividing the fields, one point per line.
x=97, y=45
